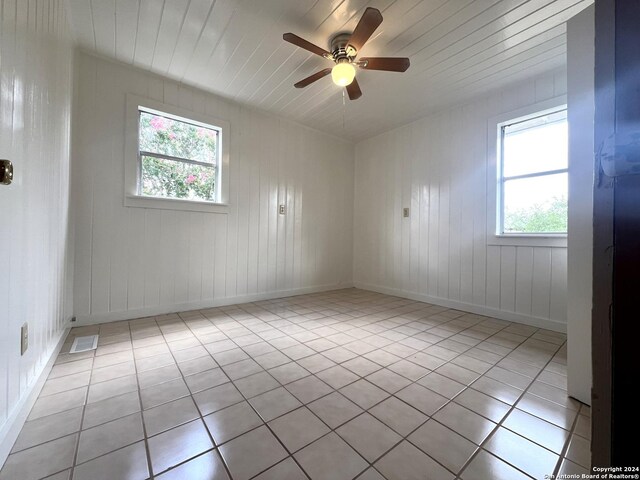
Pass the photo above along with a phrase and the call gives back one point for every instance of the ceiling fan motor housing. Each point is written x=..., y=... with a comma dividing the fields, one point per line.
x=341, y=50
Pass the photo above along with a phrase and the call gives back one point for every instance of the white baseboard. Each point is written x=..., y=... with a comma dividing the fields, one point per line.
x=12, y=427
x=185, y=307
x=539, y=322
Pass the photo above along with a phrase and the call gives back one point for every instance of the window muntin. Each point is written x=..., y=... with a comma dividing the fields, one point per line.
x=177, y=158
x=533, y=177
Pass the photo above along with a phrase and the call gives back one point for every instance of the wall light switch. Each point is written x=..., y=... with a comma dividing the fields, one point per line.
x=24, y=338
x=281, y=209
x=405, y=212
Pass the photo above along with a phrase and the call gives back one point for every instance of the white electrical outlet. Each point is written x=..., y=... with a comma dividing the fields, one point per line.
x=24, y=338
x=405, y=212
x=281, y=209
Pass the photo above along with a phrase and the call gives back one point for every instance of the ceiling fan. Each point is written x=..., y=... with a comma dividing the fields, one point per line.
x=344, y=49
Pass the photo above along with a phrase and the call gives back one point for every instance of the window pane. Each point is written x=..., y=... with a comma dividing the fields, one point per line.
x=172, y=179
x=164, y=135
x=536, y=204
x=536, y=145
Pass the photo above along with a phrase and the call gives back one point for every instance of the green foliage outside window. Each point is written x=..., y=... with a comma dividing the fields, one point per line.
x=550, y=217
x=161, y=177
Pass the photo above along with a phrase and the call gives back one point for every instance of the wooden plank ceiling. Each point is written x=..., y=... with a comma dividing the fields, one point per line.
x=234, y=48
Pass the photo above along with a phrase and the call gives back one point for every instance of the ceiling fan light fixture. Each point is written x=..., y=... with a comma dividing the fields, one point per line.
x=343, y=74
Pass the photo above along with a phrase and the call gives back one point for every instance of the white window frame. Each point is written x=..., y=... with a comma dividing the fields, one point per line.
x=132, y=196
x=494, y=177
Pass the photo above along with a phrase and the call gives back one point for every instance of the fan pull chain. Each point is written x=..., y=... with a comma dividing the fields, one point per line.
x=344, y=107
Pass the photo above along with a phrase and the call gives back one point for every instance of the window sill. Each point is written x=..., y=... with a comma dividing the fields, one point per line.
x=554, y=241
x=138, y=201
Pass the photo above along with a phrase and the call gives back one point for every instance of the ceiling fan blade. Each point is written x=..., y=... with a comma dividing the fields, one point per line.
x=353, y=89
x=302, y=43
x=371, y=19
x=312, y=78
x=390, y=64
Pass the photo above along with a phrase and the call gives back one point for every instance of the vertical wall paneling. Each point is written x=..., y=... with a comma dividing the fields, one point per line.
x=36, y=79
x=137, y=261
x=438, y=165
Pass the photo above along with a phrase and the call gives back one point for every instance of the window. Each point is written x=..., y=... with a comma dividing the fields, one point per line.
x=533, y=175
x=175, y=159
x=178, y=158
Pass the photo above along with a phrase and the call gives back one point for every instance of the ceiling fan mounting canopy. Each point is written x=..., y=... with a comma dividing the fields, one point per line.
x=344, y=49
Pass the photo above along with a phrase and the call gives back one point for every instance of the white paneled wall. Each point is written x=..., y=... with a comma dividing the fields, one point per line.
x=133, y=261
x=438, y=167
x=35, y=121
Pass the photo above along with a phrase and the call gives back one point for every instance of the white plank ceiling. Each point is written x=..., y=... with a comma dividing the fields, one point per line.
x=234, y=48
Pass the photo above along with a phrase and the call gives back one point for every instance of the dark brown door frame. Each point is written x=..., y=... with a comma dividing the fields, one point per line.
x=616, y=252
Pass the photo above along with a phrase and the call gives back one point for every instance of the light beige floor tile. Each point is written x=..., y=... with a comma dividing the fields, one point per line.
x=364, y=394
x=371, y=474
x=388, y=380
x=423, y=399
x=113, y=371
x=129, y=463
x=337, y=376
x=156, y=376
x=368, y=436
x=58, y=402
x=298, y=428
x=232, y=421
x=569, y=470
x=157, y=361
x=274, y=403
x=109, y=436
x=241, y=369
x=111, y=409
x=335, y=409
x=113, y=359
x=48, y=428
x=63, y=384
x=37, y=462
x=190, y=353
x=498, y=390
x=227, y=357
x=316, y=363
x=169, y=415
x=216, y=398
x=441, y=385
x=288, y=469
x=486, y=466
x=208, y=466
x=549, y=411
x=361, y=366
x=64, y=475
x=330, y=458
x=111, y=388
x=579, y=451
x=256, y=384
x=177, y=445
x=408, y=369
x=583, y=426
x=204, y=380
x=289, y=372
x=308, y=389
x=163, y=393
x=71, y=367
x=406, y=462
x=443, y=445
x=398, y=415
x=458, y=373
x=252, y=453
x=465, y=422
x=537, y=430
x=482, y=404
x=521, y=453
x=197, y=365
x=272, y=359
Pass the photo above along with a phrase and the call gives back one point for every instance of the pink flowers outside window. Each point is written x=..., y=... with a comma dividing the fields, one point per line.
x=158, y=123
x=191, y=179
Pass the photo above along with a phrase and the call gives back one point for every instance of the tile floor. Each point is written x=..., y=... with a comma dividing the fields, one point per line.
x=337, y=385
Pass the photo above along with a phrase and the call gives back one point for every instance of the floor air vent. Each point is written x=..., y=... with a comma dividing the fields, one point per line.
x=83, y=344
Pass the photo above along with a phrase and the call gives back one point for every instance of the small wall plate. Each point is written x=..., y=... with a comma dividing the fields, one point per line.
x=6, y=172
